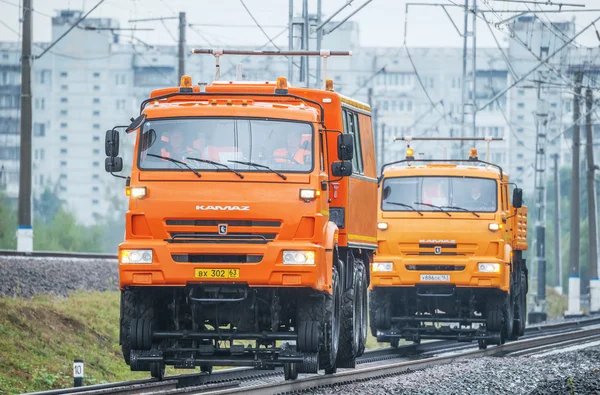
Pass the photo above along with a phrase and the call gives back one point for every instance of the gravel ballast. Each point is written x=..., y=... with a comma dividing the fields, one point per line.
x=29, y=276
x=550, y=374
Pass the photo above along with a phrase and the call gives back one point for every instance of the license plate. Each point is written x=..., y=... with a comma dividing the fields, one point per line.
x=435, y=277
x=217, y=273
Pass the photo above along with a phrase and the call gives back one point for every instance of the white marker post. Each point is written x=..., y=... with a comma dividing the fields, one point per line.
x=78, y=373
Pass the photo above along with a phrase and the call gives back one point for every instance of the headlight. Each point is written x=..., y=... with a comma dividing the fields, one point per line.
x=136, y=192
x=382, y=266
x=382, y=225
x=309, y=194
x=136, y=256
x=489, y=267
x=494, y=227
x=299, y=257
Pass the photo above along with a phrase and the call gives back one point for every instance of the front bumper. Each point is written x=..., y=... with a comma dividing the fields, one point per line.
x=468, y=277
x=269, y=272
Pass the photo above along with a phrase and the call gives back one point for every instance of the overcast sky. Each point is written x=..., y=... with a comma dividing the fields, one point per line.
x=381, y=21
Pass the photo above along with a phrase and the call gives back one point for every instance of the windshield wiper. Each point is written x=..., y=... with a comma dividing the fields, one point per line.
x=259, y=166
x=405, y=205
x=434, y=206
x=462, y=209
x=217, y=164
x=176, y=162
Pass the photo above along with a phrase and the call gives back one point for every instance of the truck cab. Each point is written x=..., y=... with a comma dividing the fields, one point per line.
x=449, y=253
x=242, y=247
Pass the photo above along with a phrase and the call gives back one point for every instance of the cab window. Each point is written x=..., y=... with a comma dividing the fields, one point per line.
x=351, y=126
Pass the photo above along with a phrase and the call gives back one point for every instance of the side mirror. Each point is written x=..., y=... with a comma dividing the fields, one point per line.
x=111, y=143
x=517, y=199
x=113, y=164
x=345, y=146
x=148, y=139
x=341, y=169
x=136, y=123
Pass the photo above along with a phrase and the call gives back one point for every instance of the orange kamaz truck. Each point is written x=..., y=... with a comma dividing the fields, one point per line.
x=251, y=227
x=449, y=263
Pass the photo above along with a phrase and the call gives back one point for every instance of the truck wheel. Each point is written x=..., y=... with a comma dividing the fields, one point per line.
x=364, y=309
x=133, y=306
x=349, y=326
x=325, y=310
x=157, y=370
x=206, y=369
x=290, y=371
x=509, y=316
x=372, y=310
x=395, y=342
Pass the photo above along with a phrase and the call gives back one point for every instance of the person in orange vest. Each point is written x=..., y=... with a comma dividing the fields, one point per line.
x=291, y=152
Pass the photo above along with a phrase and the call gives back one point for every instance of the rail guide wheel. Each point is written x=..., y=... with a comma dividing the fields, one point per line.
x=290, y=371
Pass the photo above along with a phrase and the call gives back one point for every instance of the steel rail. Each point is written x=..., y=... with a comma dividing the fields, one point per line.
x=55, y=254
x=197, y=382
x=351, y=376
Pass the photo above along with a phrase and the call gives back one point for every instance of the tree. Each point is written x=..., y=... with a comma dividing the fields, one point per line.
x=47, y=205
x=8, y=224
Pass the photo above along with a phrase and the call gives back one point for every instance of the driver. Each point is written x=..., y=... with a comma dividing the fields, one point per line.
x=291, y=152
x=478, y=199
x=176, y=146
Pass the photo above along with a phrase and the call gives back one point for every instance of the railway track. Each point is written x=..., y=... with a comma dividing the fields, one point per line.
x=373, y=364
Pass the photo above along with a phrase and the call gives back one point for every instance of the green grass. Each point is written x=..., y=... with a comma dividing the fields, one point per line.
x=40, y=338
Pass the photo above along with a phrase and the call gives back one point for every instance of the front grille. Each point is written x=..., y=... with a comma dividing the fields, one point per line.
x=214, y=258
x=214, y=222
x=436, y=268
x=214, y=235
x=441, y=253
x=218, y=239
x=422, y=245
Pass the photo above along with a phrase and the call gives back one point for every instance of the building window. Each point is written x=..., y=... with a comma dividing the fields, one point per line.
x=96, y=113
x=8, y=153
x=40, y=104
x=520, y=117
x=520, y=130
x=409, y=105
x=96, y=164
x=95, y=176
x=96, y=126
x=63, y=163
x=63, y=138
x=63, y=188
x=96, y=88
x=95, y=188
x=519, y=168
x=96, y=138
x=64, y=112
x=63, y=176
x=95, y=202
x=520, y=156
x=64, y=87
x=42, y=153
x=521, y=92
x=41, y=179
x=39, y=129
x=64, y=100
x=64, y=125
x=64, y=74
x=96, y=75
x=95, y=151
x=63, y=150
x=553, y=105
x=120, y=104
x=96, y=100
x=520, y=105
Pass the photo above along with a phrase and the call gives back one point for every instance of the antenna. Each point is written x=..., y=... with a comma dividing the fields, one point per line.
x=217, y=53
x=487, y=139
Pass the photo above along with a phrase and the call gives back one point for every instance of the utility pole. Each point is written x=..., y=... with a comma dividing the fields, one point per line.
x=25, y=231
x=557, y=222
x=382, y=144
x=574, y=306
x=591, y=195
x=182, y=52
x=538, y=308
x=291, y=40
x=467, y=79
x=319, y=84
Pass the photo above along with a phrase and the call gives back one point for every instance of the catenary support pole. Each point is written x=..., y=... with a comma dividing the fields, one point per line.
x=574, y=304
x=25, y=230
x=591, y=195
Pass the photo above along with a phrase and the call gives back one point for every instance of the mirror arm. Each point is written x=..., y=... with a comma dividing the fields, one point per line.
x=118, y=176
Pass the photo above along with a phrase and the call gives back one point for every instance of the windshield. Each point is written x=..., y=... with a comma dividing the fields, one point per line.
x=448, y=193
x=279, y=145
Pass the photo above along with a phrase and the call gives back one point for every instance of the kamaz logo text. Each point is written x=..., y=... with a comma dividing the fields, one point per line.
x=223, y=208
x=437, y=241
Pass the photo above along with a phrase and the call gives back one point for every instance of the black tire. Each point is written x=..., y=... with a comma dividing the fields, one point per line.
x=395, y=342
x=509, y=317
x=482, y=344
x=373, y=304
x=349, y=325
x=290, y=371
x=134, y=305
x=363, y=302
x=494, y=317
x=523, y=320
x=206, y=369
x=157, y=370
x=326, y=311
